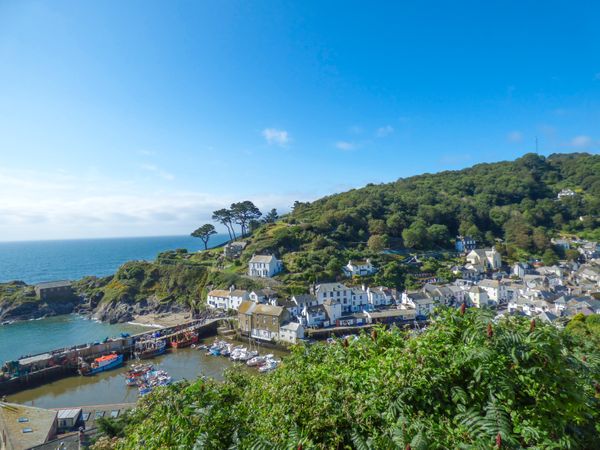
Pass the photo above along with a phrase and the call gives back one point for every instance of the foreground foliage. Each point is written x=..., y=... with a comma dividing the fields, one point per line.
x=466, y=382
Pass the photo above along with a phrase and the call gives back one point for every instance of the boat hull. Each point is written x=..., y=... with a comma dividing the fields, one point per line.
x=184, y=343
x=151, y=353
x=111, y=365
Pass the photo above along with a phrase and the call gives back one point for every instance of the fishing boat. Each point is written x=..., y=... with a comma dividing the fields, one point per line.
x=258, y=361
x=137, y=370
x=150, y=348
x=100, y=364
x=185, y=340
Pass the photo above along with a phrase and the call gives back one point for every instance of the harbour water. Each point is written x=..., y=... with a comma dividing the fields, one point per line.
x=109, y=387
x=36, y=261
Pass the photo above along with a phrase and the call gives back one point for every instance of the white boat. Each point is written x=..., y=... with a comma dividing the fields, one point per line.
x=270, y=364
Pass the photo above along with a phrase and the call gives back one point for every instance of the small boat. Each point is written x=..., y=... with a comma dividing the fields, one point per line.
x=270, y=364
x=137, y=370
x=144, y=389
x=101, y=364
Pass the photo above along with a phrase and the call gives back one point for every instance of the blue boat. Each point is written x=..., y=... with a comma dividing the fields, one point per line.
x=101, y=364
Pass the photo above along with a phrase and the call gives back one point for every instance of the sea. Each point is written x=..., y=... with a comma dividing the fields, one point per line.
x=37, y=261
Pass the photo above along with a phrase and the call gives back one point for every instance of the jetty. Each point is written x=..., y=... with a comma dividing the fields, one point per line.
x=35, y=370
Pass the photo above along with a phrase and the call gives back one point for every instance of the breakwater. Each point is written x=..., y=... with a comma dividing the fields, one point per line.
x=38, y=369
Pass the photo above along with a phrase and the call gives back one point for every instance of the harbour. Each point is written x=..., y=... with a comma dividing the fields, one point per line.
x=59, y=385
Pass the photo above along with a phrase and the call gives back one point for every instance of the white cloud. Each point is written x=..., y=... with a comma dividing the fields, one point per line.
x=275, y=136
x=384, y=131
x=39, y=205
x=514, y=136
x=345, y=145
x=158, y=171
x=581, y=141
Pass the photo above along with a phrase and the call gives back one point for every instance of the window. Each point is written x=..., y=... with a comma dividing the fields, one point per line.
x=22, y=419
x=27, y=430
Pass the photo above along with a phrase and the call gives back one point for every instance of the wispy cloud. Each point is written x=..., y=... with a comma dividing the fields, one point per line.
x=273, y=136
x=44, y=205
x=581, y=141
x=158, y=171
x=514, y=136
x=345, y=145
x=384, y=131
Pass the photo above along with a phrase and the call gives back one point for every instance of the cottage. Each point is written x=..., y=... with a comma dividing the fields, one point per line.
x=226, y=299
x=420, y=301
x=379, y=296
x=494, y=290
x=261, y=321
x=359, y=268
x=53, y=290
x=465, y=244
x=264, y=266
x=336, y=291
x=478, y=297
x=291, y=332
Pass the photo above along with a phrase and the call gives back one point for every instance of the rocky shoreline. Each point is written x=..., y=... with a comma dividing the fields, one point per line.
x=111, y=312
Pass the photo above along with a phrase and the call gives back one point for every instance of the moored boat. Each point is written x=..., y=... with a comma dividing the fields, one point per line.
x=184, y=340
x=101, y=364
x=150, y=348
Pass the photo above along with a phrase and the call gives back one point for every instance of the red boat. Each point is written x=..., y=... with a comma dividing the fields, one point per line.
x=185, y=340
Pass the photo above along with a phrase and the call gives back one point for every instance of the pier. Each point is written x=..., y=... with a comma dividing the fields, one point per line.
x=36, y=370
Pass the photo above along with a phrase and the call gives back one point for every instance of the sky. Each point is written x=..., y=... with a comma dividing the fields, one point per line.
x=142, y=117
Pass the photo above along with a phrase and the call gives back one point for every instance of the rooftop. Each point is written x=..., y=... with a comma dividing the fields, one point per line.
x=26, y=426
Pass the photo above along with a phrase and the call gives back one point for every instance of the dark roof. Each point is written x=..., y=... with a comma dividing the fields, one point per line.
x=53, y=284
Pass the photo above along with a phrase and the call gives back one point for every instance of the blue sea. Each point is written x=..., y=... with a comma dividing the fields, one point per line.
x=37, y=261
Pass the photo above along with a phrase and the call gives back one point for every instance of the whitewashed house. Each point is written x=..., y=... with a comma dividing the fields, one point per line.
x=486, y=258
x=360, y=300
x=359, y=268
x=478, y=297
x=494, y=289
x=335, y=291
x=565, y=193
x=291, y=332
x=379, y=296
x=420, y=301
x=264, y=266
x=226, y=299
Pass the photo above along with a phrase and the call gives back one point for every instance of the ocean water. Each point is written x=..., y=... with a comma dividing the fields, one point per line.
x=36, y=261
x=30, y=337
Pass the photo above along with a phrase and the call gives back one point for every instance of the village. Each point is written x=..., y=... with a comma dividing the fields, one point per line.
x=552, y=294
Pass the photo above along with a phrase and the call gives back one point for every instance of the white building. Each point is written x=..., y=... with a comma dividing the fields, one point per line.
x=420, y=301
x=478, y=297
x=264, y=266
x=291, y=332
x=334, y=291
x=379, y=296
x=226, y=298
x=566, y=193
x=359, y=268
x=494, y=289
x=486, y=258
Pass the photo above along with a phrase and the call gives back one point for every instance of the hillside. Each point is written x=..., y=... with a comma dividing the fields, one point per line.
x=512, y=205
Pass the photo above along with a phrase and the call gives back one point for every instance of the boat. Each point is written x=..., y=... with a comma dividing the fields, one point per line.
x=150, y=348
x=101, y=364
x=137, y=370
x=270, y=364
x=185, y=340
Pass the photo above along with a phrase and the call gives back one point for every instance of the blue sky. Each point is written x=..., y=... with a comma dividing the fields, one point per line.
x=140, y=118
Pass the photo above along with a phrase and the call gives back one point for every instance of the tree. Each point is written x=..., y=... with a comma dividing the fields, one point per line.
x=572, y=254
x=225, y=217
x=416, y=235
x=377, y=242
x=438, y=234
x=549, y=257
x=204, y=233
x=271, y=216
x=244, y=212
